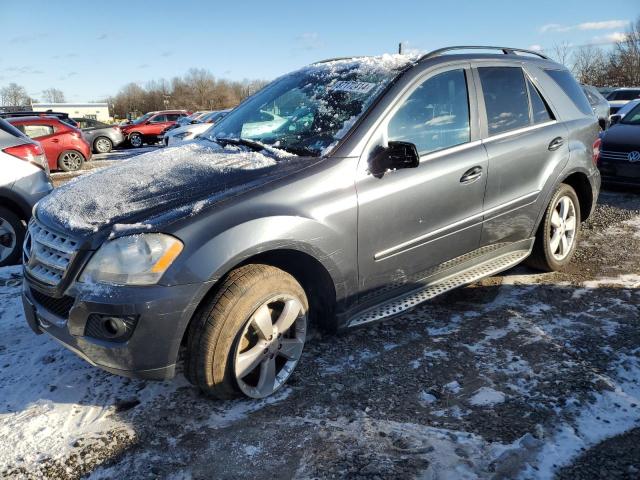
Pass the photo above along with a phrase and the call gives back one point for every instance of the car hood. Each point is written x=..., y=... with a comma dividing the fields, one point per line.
x=621, y=137
x=158, y=187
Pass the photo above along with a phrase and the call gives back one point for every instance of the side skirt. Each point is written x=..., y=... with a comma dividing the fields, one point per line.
x=430, y=287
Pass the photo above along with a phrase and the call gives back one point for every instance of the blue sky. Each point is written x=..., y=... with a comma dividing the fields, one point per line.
x=90, y=49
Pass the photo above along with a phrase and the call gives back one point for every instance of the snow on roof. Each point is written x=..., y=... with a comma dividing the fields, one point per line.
x=163, y=179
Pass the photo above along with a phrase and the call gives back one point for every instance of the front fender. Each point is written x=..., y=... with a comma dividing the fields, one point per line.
x=209, y=259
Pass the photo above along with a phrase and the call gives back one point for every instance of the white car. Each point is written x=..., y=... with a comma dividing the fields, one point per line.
x=24, y=179
x=621, y=96
x=189, y=132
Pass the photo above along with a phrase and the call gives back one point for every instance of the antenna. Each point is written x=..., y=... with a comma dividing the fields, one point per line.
x=400, y=48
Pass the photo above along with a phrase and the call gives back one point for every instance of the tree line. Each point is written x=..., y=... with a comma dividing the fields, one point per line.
x=618, y=66
x=198, y=89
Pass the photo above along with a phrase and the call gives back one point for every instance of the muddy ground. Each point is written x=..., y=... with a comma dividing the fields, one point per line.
x=520, y=375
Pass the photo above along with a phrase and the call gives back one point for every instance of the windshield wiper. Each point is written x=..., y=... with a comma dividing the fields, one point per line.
x=253, y=145
x=300, y=151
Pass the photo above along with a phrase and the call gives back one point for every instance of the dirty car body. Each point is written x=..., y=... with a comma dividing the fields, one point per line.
x=365, y=232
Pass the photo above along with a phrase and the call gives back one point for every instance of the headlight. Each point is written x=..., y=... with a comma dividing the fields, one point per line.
x=132, y=260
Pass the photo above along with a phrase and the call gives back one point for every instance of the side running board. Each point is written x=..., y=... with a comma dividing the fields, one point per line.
x=409, y=300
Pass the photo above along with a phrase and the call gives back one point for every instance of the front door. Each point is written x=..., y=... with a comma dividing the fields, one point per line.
x=411, y=220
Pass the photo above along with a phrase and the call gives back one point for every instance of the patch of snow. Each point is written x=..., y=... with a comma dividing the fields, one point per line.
x=487, y=397
x=453, y=387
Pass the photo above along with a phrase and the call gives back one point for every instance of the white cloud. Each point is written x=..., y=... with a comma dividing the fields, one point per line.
x=536, y=47
x=604, y=25
x=610, y=38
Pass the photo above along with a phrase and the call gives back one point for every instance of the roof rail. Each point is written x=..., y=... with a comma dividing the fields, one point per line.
x=336, y=59
x=505, y=50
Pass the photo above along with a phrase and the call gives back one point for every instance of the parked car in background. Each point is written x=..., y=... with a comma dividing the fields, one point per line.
x=604, y=91
x=619, y=159
x=64, y=145
x=60, y=115
x=150, y=127
x=101, y=136
x=189, y=132
x=24, y=179
x=599, y=105
x=620, y=96
x=392, y=180
x=615, y=118
x=189, y=120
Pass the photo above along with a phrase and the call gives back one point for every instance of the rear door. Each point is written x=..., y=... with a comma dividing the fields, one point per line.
x=412, y=220
x=525, y=144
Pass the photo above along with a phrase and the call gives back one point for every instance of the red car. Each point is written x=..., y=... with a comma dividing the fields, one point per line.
x=64, y=145
x=151, y=126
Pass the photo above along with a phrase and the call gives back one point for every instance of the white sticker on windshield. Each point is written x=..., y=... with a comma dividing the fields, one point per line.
x=353, y=87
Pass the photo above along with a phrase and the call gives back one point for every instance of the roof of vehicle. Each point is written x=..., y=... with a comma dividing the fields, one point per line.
x=626, y=88
x=32, y=114
x=34, y=118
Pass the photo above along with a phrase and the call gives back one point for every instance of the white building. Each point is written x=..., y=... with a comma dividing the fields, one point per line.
x=97, y=111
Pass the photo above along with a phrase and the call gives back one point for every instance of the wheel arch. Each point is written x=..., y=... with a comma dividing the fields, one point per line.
x=579, y=181
x=12, y=203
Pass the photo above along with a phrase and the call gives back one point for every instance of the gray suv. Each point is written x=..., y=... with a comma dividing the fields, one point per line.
x=340, y=194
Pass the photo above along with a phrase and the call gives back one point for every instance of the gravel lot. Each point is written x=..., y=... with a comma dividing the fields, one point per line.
x=520, y=375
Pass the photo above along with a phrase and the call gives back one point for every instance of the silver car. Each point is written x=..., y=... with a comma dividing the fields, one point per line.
x=599, y=105
x=102, y=137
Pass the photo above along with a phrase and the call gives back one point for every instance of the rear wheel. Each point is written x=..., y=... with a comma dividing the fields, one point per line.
x=102, y=145
x=135, y=139
x=249, y=337
x=70, y=161
x=557, y=236
x=11, y=237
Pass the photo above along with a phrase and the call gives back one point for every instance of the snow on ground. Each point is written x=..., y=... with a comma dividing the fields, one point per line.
x=511, y=377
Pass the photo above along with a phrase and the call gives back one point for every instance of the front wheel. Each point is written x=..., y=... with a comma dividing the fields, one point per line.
x=557, y=236
x=249, y=337
x=70, y=161
x=135, y=139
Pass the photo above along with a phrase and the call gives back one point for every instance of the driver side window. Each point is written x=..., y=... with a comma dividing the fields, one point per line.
x=159, y=119
x=436, y=115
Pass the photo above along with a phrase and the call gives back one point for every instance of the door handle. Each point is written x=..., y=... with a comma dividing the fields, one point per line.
x=55, y=140
x=556, y=143
x=471, y=175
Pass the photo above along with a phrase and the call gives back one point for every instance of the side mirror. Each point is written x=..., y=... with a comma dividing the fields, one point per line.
x=615, y=118
x=396, y=155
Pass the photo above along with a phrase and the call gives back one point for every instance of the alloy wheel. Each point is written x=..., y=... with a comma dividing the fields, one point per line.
x=136, y=140
x=7, y=239
x=270, y=345
x=562, y=228
x=72, y=160
x=103, y=145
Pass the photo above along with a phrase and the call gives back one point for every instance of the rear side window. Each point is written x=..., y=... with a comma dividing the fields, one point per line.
x=625, y=95
x=569, y=85
x=436, y=114
x=539, y=108
x=37, y=131
x=159, y=118
x=172, y=117
x=505, y=98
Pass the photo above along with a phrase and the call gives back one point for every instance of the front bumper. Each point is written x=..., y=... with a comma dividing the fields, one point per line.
x=151, y=351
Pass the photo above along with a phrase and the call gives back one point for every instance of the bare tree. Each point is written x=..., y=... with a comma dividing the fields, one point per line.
x=625, y=59
x=53, y=95
x=591, y=65
x=561, y=52
x=14, y=95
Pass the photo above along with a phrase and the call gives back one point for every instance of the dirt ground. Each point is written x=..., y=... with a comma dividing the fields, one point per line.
x=520, y=375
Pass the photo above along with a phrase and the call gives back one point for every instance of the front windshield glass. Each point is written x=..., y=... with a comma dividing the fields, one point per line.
x=633, y=117
x=141, y=119
x=308, y=111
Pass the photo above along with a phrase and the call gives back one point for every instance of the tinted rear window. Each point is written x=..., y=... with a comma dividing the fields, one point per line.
x=625, y=95
x=572, y=88
x=505, y=98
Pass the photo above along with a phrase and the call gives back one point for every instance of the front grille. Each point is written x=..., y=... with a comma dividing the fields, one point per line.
x=611, y=155
x=46, y=254
x=58, y=306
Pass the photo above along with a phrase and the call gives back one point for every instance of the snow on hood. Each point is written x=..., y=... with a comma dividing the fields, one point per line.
x=152, y=183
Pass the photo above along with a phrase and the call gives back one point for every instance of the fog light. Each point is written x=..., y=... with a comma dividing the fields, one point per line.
x=109, y=327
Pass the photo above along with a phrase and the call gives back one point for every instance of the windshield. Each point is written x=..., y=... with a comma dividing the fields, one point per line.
x=141, y=119
x=633, y=117
x=308, y=111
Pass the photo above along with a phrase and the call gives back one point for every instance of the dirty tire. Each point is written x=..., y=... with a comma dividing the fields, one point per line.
x=542, y=257
x=218, y=324
x=11, y=237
